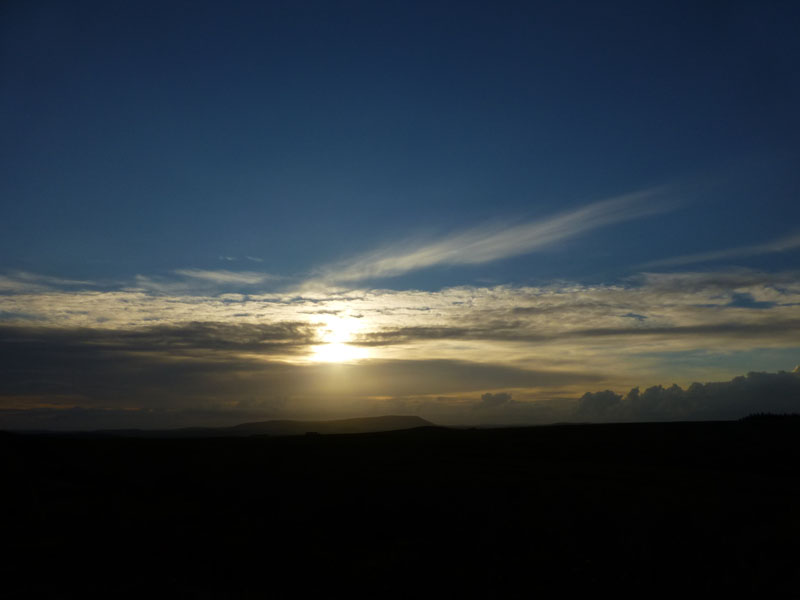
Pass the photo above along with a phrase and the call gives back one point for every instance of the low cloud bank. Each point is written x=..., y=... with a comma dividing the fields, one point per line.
x=744, y=395
x=217, y=373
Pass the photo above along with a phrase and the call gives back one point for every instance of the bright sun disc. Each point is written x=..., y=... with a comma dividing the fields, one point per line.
x=338, y=352
x=338, y=331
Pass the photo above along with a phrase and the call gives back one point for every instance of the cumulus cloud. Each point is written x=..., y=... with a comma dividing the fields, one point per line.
x=489, y=400
x=493, y=242
x=784, y=244
x=753, y=393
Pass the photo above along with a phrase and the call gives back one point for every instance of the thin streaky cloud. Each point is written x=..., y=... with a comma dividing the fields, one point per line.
x=47, y=279
x=780, y=245
x=489, y=243
x=22, y=281
x=223, y=276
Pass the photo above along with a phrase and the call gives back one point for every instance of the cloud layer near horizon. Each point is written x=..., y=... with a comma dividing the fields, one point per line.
x=136, y=350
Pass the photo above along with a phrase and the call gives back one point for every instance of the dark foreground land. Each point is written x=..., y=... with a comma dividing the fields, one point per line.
x=649, y=509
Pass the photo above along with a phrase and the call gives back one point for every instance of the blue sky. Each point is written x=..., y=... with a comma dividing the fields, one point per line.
x=296, y=148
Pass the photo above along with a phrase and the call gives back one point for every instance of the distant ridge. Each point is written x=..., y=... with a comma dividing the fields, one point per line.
x=359, y=425
x=282, y=427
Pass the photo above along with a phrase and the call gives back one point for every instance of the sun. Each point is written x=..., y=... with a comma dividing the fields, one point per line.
x=337, y=333
x=338, y=353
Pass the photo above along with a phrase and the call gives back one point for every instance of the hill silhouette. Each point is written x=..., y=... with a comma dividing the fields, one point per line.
x=360, y=425
x=650, y=509
x=281, y=427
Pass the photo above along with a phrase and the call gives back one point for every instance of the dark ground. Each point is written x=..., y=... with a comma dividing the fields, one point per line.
x=650, y=509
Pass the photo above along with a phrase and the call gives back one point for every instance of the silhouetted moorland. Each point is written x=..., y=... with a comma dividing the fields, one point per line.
x=273, y=427
x=646, y=509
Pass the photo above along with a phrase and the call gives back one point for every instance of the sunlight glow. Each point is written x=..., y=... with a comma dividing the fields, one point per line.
x=338, y=331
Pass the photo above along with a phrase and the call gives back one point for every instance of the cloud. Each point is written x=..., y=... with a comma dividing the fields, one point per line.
x=202, y=281
x=16, y=316
x=489, y=400
x=221, y=367
x=225, y=277
x=493, y=242
x=22, y=281
x=571, y=324
x=515, y=331
x=754, y=393
x=723, y=280
x=198, y=349
x=234, y=258
x=177, y=340
x=159, y=366
x=783, y=244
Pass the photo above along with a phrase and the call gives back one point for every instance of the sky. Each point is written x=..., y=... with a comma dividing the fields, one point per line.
x=477, y=212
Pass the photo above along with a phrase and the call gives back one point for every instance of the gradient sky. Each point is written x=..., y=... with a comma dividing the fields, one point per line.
x=472, y=211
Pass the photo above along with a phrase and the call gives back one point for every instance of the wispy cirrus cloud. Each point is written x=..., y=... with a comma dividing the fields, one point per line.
x=235, y=258
x=223, y=276
x=783, y=244
x=202, y=281
x=22, y=281
x=488, y=243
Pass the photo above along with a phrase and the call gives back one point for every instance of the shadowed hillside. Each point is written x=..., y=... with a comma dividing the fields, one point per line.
x=362, y=425
x=275, y=428
x=650, y=509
